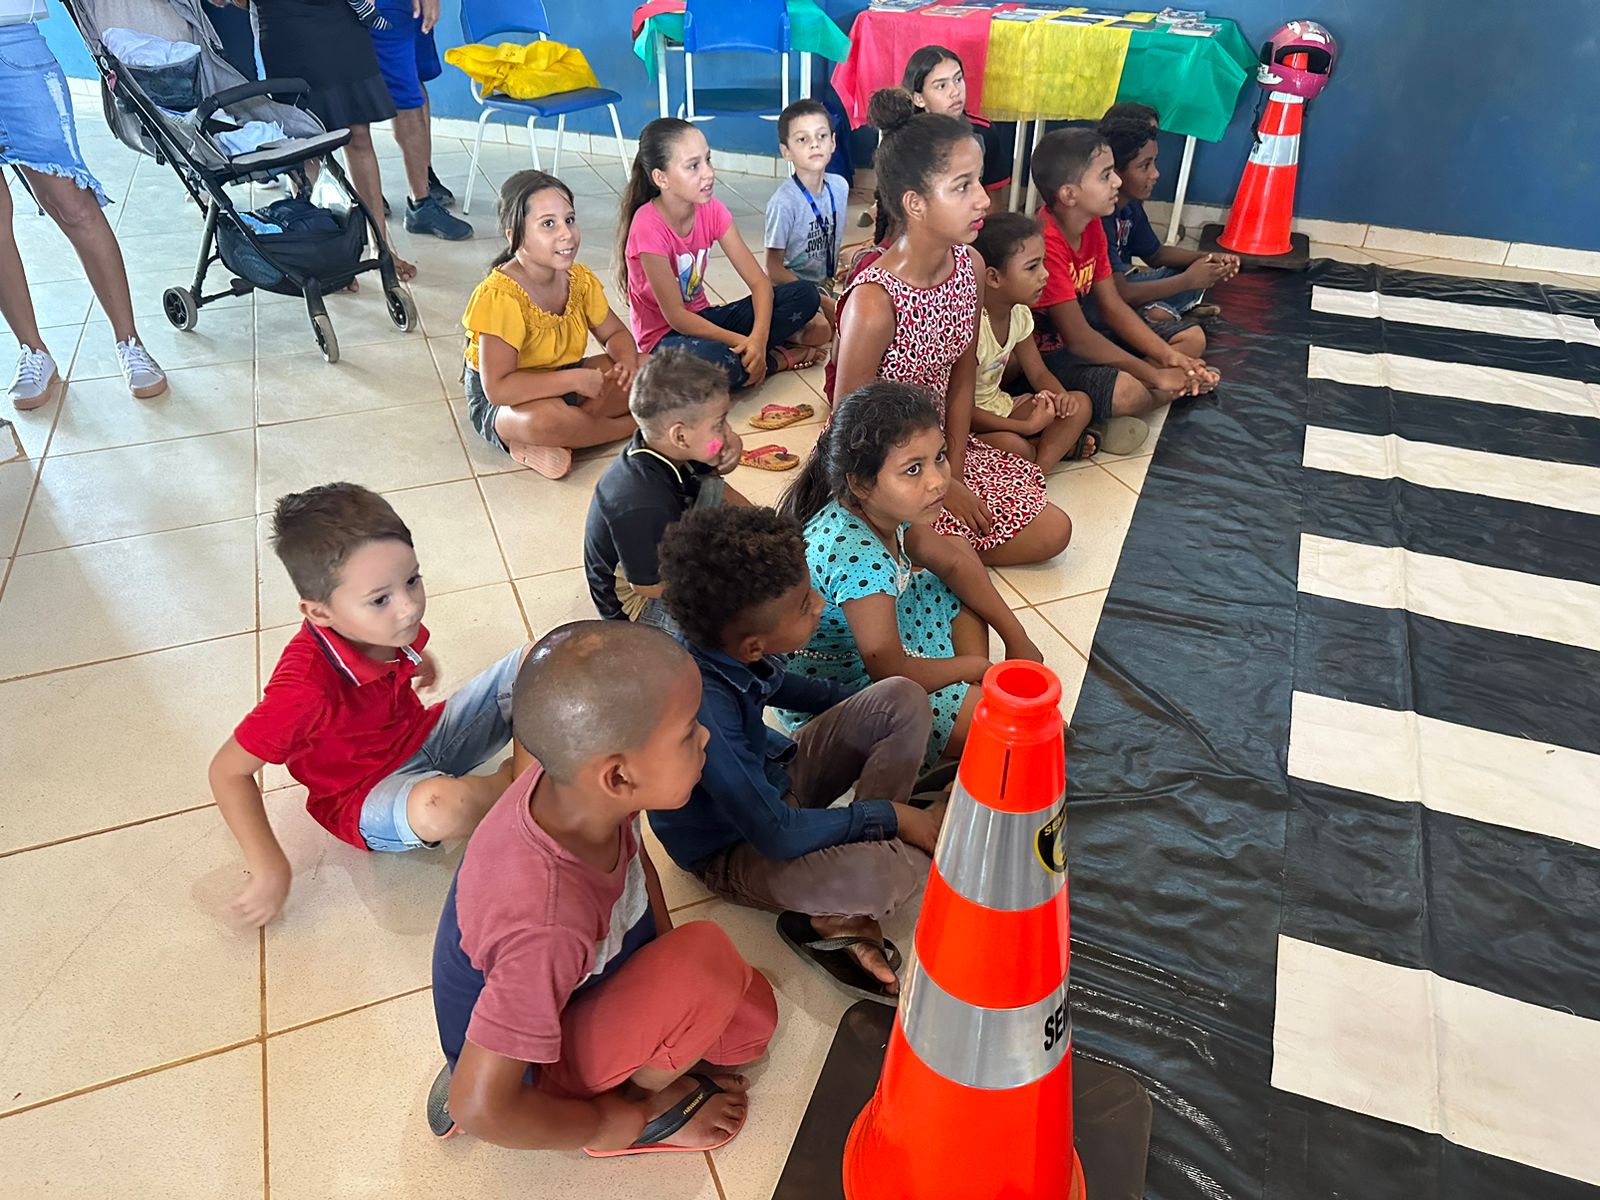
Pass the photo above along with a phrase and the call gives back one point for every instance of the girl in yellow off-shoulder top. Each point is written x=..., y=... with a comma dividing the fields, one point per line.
x=531, y=391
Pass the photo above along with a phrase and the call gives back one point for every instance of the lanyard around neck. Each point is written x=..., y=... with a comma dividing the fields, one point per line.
x=829, y=227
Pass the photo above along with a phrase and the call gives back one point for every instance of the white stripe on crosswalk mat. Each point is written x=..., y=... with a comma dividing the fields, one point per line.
x=1446, y=314
x=1473, y=773
x=1540, y=606
x=1428, y=464
x=1456, y=381
x=1497, y=1075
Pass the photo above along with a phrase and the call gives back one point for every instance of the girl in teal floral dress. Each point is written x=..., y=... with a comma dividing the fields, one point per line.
x=899, y=598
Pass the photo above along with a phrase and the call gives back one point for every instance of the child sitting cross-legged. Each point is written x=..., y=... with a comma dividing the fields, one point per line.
x=381, y=771
x=1050, y=423
x=1172, y=284
x=805, y=216
x=1076, y=178
x=758, y=829
x=675, y=462
x=571, y=1012
x=669, y=223
x=898, y=598
x=531, y=392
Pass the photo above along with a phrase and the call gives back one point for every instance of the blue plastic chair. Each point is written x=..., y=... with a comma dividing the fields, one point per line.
x=748, y=26
x=482, y=20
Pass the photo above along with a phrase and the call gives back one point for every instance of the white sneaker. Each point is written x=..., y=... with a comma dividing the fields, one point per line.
x=139, y=370
x=35, y=379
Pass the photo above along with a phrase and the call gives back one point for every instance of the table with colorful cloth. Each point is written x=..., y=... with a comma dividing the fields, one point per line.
x=658, y=24
x=1047, y=70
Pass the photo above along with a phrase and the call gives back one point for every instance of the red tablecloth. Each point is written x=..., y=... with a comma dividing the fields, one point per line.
x=881, y=42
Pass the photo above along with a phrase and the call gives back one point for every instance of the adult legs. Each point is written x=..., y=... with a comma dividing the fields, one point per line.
x=16, y=305
x=415, y=138
x=77, y=211
x=368, y=181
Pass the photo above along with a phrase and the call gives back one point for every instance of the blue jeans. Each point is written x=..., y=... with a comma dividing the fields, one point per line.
x=474, y=726
x=793, y=305
x=1177, y=304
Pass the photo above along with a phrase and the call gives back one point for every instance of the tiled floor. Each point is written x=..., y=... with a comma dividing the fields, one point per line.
x=149, y=1046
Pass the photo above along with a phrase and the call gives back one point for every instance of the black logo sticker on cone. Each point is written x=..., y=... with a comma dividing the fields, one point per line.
x=1051, y=844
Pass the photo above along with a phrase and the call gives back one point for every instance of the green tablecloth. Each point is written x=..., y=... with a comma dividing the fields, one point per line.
x=811, y=31
x=1193, y=87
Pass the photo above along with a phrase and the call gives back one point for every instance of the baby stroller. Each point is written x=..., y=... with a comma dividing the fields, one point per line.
x=169, y=93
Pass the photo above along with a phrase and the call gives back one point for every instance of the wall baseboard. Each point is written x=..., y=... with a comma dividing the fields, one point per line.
x=1488, y=251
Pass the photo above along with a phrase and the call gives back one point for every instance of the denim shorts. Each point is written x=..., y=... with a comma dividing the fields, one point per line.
x=36, y=125
x=474, y=726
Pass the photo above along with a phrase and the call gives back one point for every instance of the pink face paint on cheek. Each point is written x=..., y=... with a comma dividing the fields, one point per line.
x=714, y=447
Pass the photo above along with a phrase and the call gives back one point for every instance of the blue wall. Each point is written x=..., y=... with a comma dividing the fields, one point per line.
x=1457, y=116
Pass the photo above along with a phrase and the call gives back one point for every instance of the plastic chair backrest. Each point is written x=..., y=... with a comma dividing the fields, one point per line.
x=483, y=19
x=755, y=25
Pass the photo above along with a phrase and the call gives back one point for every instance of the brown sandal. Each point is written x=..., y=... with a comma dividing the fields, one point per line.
x=795, y=358
x=781, y=416
x=770, y=458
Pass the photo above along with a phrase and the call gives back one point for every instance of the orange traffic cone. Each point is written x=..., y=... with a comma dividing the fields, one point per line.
x=1264, y=205
x=975, y=1099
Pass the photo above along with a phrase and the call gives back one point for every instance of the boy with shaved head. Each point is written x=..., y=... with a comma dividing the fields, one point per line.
x=571, y=1012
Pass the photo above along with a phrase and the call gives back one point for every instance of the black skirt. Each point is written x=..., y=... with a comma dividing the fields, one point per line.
x=322, y=42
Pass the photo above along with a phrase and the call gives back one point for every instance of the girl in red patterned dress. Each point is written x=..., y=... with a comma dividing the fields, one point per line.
x=912, y=316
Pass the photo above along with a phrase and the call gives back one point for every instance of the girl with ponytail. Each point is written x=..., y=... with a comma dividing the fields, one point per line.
x=670, y=221
x=899, y=599
x=531, y=393
x=912, y=316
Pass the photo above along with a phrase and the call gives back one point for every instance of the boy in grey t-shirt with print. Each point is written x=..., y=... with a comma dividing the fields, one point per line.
x=805, y=217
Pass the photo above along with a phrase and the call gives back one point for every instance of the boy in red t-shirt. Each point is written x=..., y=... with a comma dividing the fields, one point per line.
x=1073, y=171
x=571, y=1013
x=381, y=771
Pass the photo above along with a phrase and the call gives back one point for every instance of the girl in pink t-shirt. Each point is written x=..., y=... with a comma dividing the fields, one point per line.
x=670, y=221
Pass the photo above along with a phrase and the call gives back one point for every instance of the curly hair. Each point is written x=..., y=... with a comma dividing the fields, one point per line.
x=717, y=563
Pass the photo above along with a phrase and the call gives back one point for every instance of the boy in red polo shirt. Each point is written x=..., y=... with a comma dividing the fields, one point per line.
x=382, y=772
x=1074, y=173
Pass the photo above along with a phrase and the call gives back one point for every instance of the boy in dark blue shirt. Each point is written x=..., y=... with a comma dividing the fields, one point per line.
x=758, y=829
x=1173, y=282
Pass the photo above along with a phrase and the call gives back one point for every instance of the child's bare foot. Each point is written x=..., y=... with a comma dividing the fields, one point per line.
x=717, y=1120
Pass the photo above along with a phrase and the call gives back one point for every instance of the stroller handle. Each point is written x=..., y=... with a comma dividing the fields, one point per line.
x=244, y=91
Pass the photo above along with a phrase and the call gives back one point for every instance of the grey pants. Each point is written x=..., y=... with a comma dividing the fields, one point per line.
x=876, y=741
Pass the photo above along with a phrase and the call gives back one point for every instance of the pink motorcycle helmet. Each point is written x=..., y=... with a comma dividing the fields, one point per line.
x=1298, y=37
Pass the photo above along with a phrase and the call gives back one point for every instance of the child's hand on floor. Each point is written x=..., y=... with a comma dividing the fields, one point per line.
x=1023, y=647
x=962, y=503
x=263, y=897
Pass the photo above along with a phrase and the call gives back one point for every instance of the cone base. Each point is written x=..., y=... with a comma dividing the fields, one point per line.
x=1297, y=259
x=1111, y=1113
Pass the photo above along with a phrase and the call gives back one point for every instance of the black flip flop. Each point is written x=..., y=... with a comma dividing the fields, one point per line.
x=668, y=1123
x=830, y=954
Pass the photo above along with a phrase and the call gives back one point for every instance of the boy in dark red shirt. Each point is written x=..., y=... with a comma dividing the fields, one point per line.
x=381, y=771
x=571, y=1013
x=1073, y=171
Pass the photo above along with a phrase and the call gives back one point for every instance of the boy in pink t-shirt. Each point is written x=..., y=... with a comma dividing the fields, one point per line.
x=570, y=1010
x=670, y=222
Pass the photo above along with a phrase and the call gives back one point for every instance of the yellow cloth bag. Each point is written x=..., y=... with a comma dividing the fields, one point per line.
x=524, y=72
x=1045, y=69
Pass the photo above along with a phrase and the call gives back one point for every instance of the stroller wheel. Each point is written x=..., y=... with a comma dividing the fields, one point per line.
x=402, y=309
x=326, y=341
x=178, y=303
